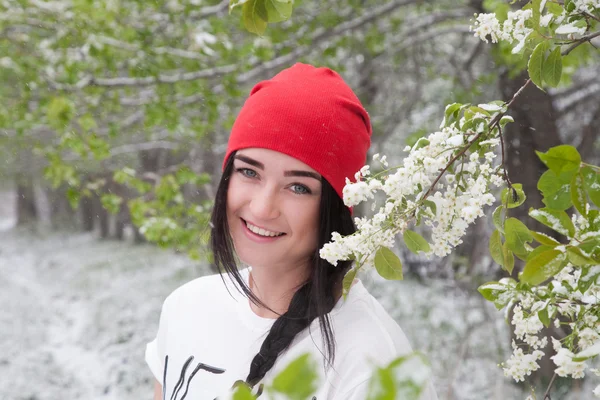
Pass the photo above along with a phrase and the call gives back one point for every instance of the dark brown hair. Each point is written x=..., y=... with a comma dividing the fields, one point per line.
x=315, y=299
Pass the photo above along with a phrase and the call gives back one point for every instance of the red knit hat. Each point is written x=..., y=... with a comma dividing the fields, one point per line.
x=310, y=114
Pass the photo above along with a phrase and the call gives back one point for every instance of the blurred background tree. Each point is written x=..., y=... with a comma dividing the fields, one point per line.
x=123, y=108
x=114, y=115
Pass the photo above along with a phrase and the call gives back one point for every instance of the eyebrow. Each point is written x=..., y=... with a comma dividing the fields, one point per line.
x=259, y=165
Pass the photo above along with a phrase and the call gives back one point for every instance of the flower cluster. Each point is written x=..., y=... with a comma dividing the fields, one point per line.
x=564, y=299
x=448, y=208
x=515, y=27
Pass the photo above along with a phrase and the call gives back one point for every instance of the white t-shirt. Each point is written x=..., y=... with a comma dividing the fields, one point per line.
x=214, y=324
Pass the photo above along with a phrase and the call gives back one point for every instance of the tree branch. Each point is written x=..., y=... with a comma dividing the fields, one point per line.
x=259, y=66
x=209, y=11
x=580, y=41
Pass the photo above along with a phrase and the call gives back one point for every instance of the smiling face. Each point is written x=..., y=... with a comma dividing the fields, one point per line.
x=273, y=208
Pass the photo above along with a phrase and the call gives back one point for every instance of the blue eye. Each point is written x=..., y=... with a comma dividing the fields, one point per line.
x=300, y=189
x=247, y=172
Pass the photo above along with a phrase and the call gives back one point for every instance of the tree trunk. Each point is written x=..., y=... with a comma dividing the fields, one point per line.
x=26, y=210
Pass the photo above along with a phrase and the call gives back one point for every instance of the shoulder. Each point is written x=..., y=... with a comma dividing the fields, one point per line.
x=214, y=288
x=363, y=326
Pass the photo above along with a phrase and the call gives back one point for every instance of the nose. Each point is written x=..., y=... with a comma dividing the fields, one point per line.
x=264, y=204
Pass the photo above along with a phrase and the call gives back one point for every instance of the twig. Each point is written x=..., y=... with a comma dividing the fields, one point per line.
x=579, y=42
x=493, y=124
x=591, y=16
x=506, y=178
x=547, y=394
x=456, y=157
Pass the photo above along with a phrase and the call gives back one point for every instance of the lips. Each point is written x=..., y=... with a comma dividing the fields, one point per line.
x=262, y=231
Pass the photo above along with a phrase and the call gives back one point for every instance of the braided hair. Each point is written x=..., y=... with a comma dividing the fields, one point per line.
x=315, y=299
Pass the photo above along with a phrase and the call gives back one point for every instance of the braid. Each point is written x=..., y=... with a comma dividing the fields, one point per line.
x=282, y=333
x=315, y=299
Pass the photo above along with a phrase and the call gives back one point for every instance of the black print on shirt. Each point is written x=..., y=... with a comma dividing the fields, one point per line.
x=182, y=376
x=181, y=380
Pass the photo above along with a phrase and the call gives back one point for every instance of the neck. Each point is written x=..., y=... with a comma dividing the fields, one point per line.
x=275, y=288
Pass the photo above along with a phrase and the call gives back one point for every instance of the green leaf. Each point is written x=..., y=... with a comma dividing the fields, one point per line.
x=552, y=69
x=404, y=378
x=535, y=15
x=497, y=218
x=593, y=218
x=422, y=142
x=381, y=385
x=540, y=249
x=111, y=202
x=60, y=111
x=496, y=248
x=298, y=381
x=578, y=197
x=431, y=205
x=451, y=113
x=544, y=239
x=591, y=244
x=73, y=195
x=505, y=120
x=544, y=266
x=536, y=63
x=578, y=258
x=509, y=259
x=556, y=220
x=255, y=16
x=387, y=264
x=513, y=197
x=278, y=11
x=498, y=293
x=555, y=9
x=556, y=189
x=591, y=180
x=561, y=158
x=348, y=281
x=588, y=353
x=415, y=242
x=242, y=392
x=543, y=316
x=517, y=235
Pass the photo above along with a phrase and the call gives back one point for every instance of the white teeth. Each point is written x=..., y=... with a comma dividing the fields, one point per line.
x=261, y=231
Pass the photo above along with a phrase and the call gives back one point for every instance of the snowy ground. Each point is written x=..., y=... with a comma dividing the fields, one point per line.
x=76, y=314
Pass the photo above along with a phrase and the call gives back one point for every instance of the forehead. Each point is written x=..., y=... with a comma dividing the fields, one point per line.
x=275, y=160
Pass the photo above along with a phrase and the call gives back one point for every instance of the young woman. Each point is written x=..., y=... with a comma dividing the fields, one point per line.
x=296, y=139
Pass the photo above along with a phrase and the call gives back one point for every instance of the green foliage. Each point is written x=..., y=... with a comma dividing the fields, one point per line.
x=544, y=266
x=556, y=189
x=568, y=182
x=349, y=280
x=591, y=179
x=517, y=237
x=415, y=242
x=514, y=196
x=256, y=14
x=298, y=381
x=561, y=159
x=499, y=293
x=404, y=378
x=388, y=264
